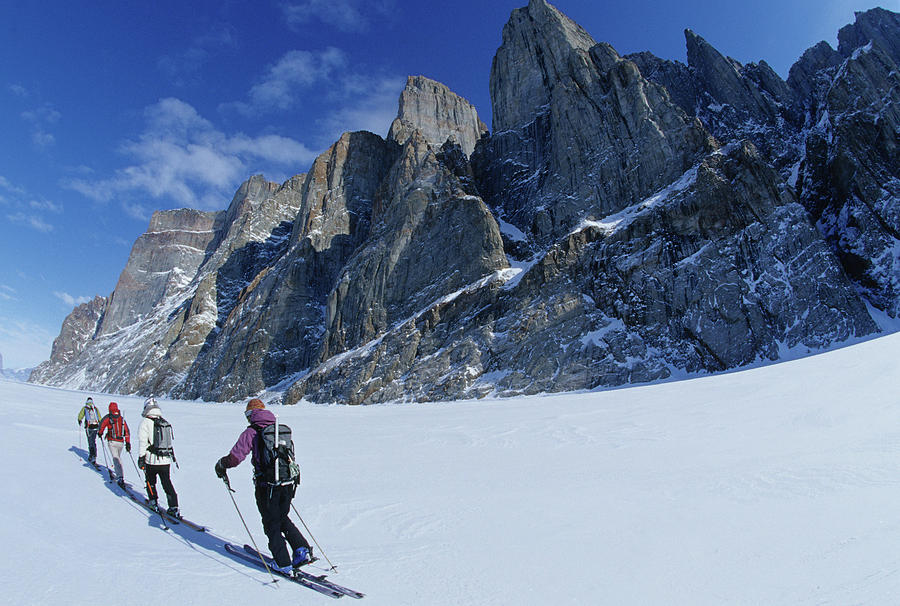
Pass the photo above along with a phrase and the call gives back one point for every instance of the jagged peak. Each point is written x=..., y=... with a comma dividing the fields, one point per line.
x=438, y=113
x=540, y=46
x=555, y=22
x=701, y=54
x=877, y=25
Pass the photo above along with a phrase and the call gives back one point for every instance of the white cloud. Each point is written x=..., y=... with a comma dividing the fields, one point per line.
x=24, y=344
x=45, y=205
x=7, y=293
x=40, y=119
x=32, y=221
x=186, y=65
x=25, y=209
x=343, y=15
x=69, y=299
x=295, y=72
x=359, y=100
x=373, y=105
x=183, y=157
x=5, y=184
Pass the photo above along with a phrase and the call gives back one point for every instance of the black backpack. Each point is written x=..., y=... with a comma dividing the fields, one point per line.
x=276, y=452
x=163, y=437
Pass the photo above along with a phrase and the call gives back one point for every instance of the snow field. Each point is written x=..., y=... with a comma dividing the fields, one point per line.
x=776, y=485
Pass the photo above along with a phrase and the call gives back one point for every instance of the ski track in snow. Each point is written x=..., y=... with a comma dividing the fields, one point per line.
x=775, y=485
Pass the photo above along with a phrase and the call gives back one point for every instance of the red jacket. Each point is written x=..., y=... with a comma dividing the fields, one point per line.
x=116, y=426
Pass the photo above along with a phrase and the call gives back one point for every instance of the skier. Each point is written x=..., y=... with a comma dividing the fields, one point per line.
x=90, y=416
x=156, y=455
x=117, y=435
x=273, y=499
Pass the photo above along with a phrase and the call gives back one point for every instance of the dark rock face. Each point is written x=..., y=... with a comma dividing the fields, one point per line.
x=721, y=269
x=578, y=131
x=850, y=178
x=275, y=325
x=812, y=73
x=733, y=101
x=661, y=219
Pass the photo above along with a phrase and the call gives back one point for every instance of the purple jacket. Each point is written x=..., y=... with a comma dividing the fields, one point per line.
x=247, y=442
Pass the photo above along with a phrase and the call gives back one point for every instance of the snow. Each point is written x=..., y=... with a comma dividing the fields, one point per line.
x=511, y=231
x=775, y=485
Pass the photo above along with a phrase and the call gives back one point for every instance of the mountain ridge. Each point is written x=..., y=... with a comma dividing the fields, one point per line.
x=630, y=219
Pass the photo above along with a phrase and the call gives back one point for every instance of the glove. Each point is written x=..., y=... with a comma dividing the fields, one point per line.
x=128, y=446
x=142, y=462
x=79, y=423
x=220, y=469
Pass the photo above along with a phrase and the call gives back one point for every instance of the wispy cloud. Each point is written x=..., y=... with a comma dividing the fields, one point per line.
x=359, y=100
x=371, y=106
x=7, y=293
x=294, y=73
x=26, y=209
x=344, y=15
x=69, y=299
x=183, y=157
x=41, y=119
x=185, y=66
x=32, y=221
x=8, y=186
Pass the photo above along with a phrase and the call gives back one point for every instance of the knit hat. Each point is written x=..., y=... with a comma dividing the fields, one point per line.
x=149, y=404
x=255, y=404
x=113, y=408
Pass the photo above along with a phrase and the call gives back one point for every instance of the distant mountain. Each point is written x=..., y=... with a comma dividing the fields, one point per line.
x=629, y=219
x=14, y=375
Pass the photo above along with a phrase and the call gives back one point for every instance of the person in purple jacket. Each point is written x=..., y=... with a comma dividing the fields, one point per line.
x=272, y=500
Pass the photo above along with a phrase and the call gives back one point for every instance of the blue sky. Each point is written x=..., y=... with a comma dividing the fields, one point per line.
x=113, y=110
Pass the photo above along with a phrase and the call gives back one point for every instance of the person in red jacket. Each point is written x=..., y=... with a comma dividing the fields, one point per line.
x=117, y=435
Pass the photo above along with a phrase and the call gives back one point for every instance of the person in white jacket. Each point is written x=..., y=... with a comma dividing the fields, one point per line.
x=156, y=455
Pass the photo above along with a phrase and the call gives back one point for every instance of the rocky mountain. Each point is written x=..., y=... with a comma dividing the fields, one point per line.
x=14, y=374
x=629, y=219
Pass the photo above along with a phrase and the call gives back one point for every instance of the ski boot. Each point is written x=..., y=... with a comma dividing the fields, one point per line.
x=302, y=555
x=172, y=512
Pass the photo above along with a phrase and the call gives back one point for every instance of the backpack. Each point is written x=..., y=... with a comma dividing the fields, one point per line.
x=276, y=456
x=116, y=428
x=163, y=436
x=91, y=415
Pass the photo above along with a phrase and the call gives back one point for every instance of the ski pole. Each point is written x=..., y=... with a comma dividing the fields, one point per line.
x=309, y=532
x=252, y=540
x=106, y=459
x=133, y=463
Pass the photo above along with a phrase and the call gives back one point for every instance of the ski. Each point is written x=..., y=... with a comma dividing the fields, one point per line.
x=186, y=522
x=320, y=579
x=164, y=514
x=143, y=503
x=238, y=552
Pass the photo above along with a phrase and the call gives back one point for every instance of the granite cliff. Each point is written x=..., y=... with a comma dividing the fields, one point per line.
x=628, y=219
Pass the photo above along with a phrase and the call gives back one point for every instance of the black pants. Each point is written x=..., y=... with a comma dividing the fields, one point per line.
x=163, y=472
x=274, y=504
x=91, y=431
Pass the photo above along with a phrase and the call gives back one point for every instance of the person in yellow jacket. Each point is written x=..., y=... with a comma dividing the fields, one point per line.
x=90, y=417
